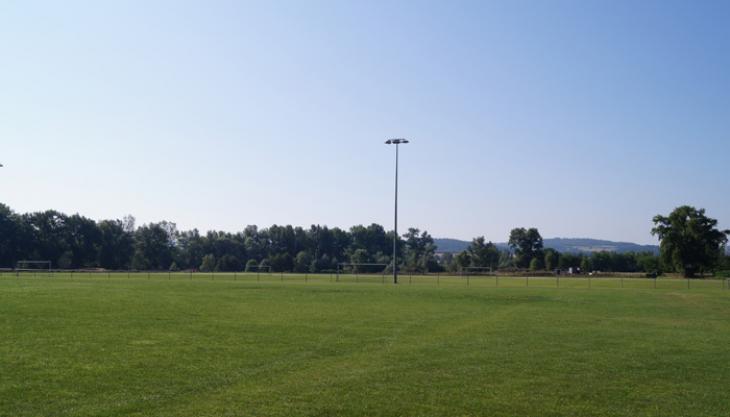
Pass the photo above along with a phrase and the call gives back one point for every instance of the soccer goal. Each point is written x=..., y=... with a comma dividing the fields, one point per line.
x=258, y=270
x=358, y=269
x=34, y=267
x=479, y=270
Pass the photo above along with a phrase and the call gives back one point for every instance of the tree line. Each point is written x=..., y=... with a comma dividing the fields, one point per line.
x=690, y=243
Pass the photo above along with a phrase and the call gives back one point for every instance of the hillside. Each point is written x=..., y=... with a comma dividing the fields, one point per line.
x=572, y=245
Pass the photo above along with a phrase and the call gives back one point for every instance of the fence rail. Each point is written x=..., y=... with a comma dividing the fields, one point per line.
x=435, y=279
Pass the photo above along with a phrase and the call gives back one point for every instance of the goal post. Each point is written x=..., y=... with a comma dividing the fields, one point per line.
x=479, y=270
x=365, y=268
x=32, y=266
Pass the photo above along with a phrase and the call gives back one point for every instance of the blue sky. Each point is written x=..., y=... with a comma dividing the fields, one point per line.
x=581, y=118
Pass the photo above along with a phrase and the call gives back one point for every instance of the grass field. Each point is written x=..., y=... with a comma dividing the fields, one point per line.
x=272, y=345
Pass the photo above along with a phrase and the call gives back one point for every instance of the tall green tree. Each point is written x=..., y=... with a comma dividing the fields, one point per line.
x=689, y=240
x=552, y=259
x=419, y=251
x=12, y=240
x=526, y=244
x=208, y=264
x=462, y=260
x=116, y=245
x=154, y=246
x=483, y=254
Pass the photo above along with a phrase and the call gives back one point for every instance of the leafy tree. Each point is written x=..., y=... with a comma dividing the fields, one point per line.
x=228, y=263
x=535, y=264
x=280, y=262
x=648, y=262
x=483, y=254
x=359, y=256
x=82, y=237
x=527, y=244
x=419, y=251
x=569, y=260
x=208, y=264
x=252, y=265
x=446, y=262
x=462, y=260
x=115, y=245
x=154, y=245
x=552, y=259
x=690, y=241
x=585, y=264
x=12, y=239
x=302, y=262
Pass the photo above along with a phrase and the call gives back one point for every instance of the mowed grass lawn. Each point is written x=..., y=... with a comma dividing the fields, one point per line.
x=117, y=346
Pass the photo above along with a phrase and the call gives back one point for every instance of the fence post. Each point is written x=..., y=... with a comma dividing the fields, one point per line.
x=438, y=279
x=467, y=279
x=282, y=276
x=410, y=278
x=235, y=275
x=527, y=281
x=496, y=282
x=589, y=281
x=654, y=283
x=557, y=278
x=169, y=275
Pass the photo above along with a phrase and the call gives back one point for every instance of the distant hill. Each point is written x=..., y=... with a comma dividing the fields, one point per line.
x=572, y=245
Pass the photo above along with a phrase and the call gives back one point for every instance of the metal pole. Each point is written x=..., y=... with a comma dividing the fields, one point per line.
x=395, y=229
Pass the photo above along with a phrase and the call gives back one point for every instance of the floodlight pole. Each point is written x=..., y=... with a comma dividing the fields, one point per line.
x=395, y=142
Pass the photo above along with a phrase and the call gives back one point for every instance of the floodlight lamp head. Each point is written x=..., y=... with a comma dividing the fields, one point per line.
x=396, y=141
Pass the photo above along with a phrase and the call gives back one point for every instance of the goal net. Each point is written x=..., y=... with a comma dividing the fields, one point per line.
x=258, y=269
x=478, y=270
x=361, y=270
x=33, y=267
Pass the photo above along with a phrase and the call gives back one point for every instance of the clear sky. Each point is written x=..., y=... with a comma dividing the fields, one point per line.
x=581, y=118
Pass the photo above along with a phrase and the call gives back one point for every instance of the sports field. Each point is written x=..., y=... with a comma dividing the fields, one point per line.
x=280, y=345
